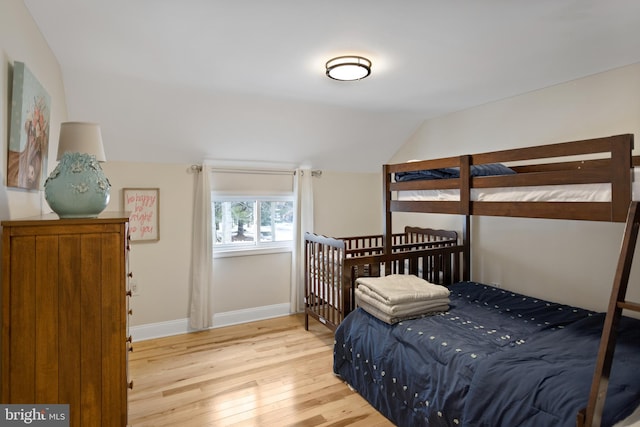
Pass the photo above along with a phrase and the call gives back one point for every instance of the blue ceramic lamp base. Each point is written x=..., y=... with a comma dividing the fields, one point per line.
x=77, y=187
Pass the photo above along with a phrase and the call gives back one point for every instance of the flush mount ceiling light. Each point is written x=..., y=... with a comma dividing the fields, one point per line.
x=348, y=68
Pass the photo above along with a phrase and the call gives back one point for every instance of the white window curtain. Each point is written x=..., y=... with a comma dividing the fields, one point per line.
x=201, y=307
x=303, y=191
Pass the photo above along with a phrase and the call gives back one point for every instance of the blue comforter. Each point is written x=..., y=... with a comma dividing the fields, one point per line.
x=496, y=358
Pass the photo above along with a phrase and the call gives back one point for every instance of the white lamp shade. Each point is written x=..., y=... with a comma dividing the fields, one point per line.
x=81, y=137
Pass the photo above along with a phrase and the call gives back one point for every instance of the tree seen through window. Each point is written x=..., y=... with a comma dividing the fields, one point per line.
x=252, y=221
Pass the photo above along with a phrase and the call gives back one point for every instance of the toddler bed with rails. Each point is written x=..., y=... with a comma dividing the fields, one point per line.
x=494, y=357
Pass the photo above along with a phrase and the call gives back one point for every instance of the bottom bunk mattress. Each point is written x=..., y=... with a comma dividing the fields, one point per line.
x=496, y=358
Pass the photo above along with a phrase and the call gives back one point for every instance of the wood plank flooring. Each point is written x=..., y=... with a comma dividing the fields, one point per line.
x=267, y=373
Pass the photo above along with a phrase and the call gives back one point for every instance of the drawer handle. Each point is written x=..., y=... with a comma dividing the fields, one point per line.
x=130, y=385
x=129, y=293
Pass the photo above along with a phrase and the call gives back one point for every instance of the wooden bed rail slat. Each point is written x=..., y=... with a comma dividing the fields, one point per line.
x=528, y=178
x=445, y=162
x=549, y=151
x=434, y=184
x=562, y=177
x=397, y=256
x=589, y=211
x=425, y=206
x=562, y=149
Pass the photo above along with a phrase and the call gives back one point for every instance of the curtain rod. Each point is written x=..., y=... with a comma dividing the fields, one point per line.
x=198, y=168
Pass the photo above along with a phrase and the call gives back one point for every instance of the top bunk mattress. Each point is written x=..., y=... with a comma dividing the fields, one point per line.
x=546, y=193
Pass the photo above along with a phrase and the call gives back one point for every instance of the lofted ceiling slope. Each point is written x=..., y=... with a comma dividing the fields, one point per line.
x=180, y=81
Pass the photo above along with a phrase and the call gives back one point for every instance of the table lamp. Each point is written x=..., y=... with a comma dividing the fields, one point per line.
x=77, y=187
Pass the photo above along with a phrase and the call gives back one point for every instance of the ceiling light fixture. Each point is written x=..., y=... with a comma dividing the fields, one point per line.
x=347, y=68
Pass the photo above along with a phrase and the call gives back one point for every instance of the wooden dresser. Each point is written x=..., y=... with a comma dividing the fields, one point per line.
x=65, y=316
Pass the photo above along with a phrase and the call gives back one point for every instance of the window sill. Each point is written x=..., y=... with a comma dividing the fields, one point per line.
x=227, y=253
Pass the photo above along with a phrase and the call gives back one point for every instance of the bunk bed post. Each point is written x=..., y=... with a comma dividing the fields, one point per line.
x=621, y=176
x=387, y=237
x=466, y=248
x=465, y=185
x=465, y=206
x=386, y=208
x=592, y=415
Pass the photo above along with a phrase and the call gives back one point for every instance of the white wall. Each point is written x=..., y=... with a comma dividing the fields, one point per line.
x=568, y=261
x=526, y=255
x=348, y=204
x=161, y=269
x=20, y=40
x=343, y=204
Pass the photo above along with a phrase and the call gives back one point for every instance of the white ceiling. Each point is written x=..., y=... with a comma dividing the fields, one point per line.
x=183, y=80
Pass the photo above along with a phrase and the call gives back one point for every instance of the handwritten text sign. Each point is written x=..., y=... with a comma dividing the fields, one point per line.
x=142, y=203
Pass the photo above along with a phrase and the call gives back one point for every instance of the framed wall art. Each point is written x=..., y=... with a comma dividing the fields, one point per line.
x=144, y=220
x=28, y=131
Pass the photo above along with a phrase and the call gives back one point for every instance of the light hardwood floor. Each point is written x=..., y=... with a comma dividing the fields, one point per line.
x=267, y=373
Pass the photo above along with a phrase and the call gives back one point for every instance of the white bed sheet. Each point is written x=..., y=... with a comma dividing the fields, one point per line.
x=547, y=193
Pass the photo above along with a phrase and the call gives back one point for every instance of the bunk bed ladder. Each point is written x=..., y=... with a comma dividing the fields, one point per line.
x=591, y=415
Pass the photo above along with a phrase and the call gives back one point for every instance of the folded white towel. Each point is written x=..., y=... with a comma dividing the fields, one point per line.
x=403, y=309
x=391, y=319
x=400, y=288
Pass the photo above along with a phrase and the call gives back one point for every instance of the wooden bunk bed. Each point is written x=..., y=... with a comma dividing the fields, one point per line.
x=332, y=266
x=458, y=367
x=542, y=168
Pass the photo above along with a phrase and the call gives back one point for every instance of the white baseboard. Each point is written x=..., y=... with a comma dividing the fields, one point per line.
x=159, y=330
x=181, y=326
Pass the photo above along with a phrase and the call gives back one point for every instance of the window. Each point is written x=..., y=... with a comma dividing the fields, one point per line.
x=252, y=223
